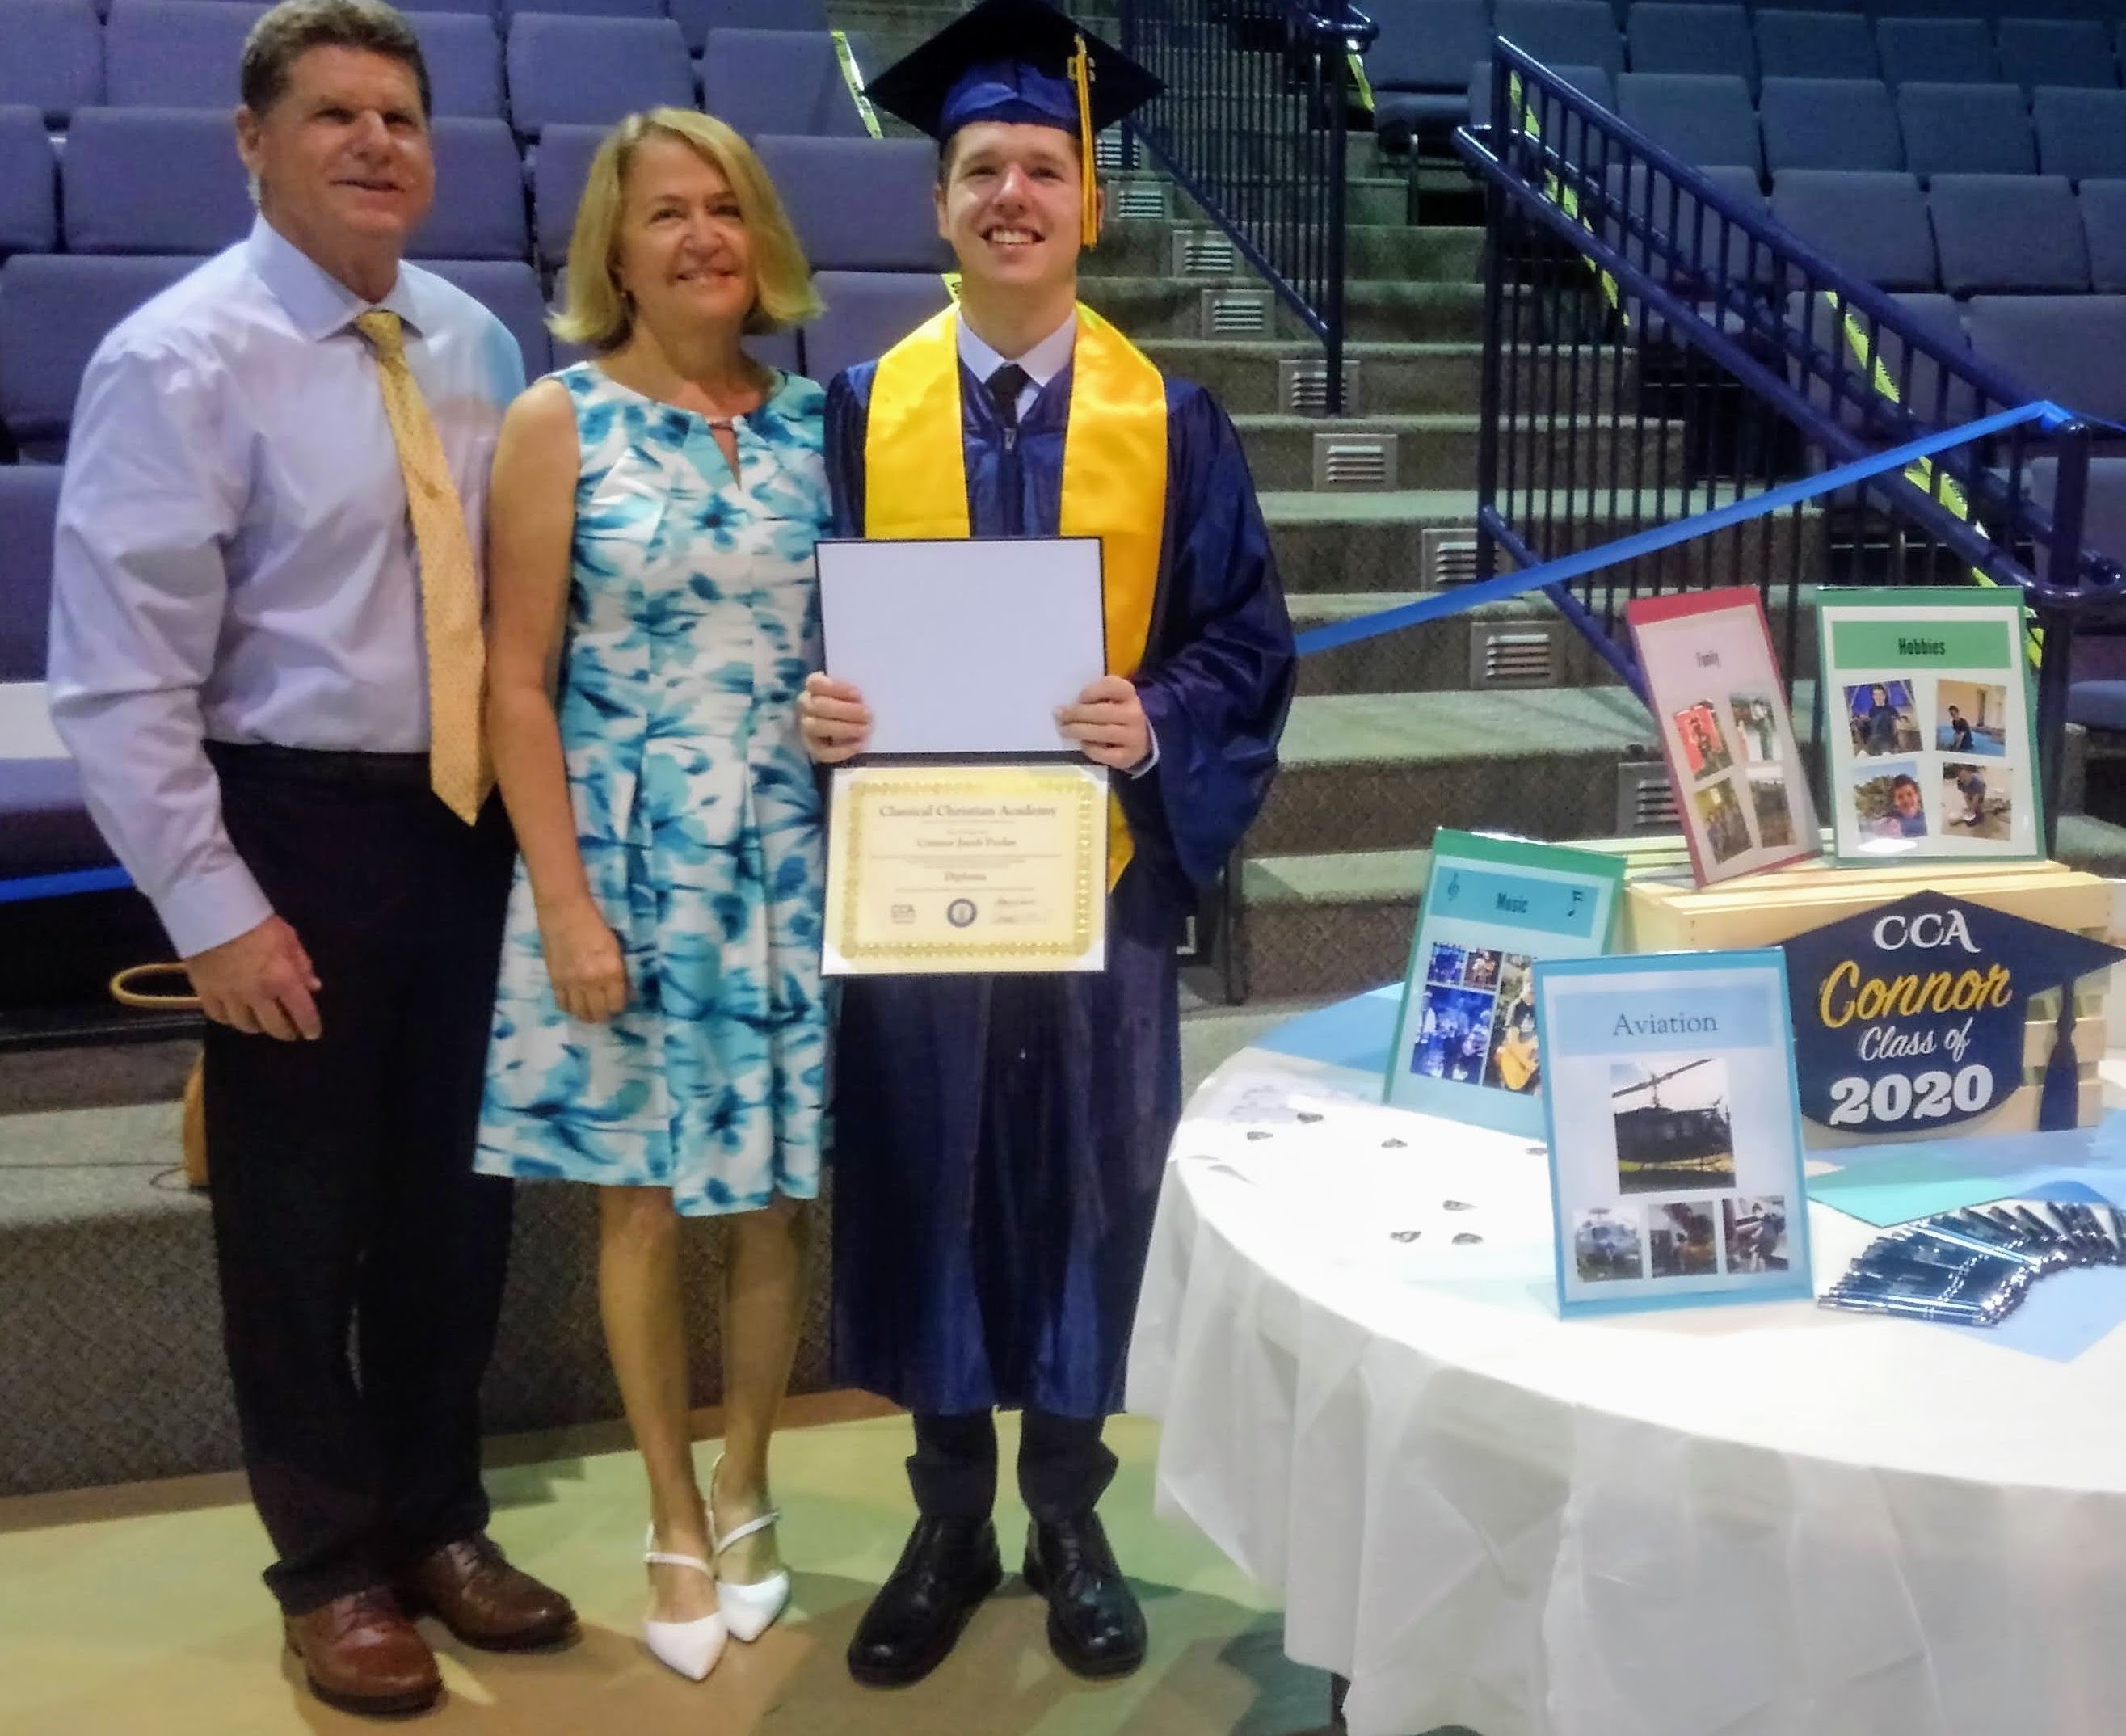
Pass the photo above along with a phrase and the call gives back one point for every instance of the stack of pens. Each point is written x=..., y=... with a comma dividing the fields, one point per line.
x=1974, y=1266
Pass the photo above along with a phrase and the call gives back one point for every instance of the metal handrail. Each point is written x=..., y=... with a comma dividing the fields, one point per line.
x=1253, y=127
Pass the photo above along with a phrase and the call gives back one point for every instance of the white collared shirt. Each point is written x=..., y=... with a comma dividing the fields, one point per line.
x=1042, y=362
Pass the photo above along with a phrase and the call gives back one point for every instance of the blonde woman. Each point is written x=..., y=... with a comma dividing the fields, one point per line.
x=659, y=1031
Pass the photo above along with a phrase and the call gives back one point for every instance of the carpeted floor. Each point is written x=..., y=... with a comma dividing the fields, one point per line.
x=152, y=1620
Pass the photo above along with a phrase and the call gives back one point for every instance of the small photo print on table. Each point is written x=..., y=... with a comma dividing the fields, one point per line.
x=1755, y=1229
x=1889, y=807
x=1445, y=963
x=1453, y=1033
x=1770, y=801
x=1705, y=747
x=1514, y=1063
x=1605, y=1246
x=1673, y=1132
x=1720, y=813
x=1681, y=1239
x=1756, y=727
x=1884, y=718
x=1974, y=804
x=1971, y=719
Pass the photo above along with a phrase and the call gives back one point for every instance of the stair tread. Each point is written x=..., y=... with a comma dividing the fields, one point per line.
x=1359, y=876
x=1357, y=729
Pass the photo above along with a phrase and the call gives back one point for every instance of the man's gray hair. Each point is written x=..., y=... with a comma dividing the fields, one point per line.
x=294, y=28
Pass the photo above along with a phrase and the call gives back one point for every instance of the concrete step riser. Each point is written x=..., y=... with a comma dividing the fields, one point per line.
x=1436, y=383
x=1144, y=248
x=1389, y=806
x=1172, y=307
x=1434, y=658
x=1290, y=950
x=1281, y=456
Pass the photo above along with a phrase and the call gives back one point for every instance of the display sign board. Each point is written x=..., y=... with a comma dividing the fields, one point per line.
x=1676, y=1146
x=1466, y=1040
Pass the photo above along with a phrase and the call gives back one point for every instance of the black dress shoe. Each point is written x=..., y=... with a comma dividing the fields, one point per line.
x=1094, y=1625
x=949, y=1567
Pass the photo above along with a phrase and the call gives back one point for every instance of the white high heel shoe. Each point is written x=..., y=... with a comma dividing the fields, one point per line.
x=748, y=1610
x=690, y=1648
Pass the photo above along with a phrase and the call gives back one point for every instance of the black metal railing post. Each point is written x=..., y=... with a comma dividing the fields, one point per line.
x=1336, y=55
x=1499, y=212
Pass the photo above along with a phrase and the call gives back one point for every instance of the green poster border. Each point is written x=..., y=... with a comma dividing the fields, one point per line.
x=1921, y=600
x=1606, y=872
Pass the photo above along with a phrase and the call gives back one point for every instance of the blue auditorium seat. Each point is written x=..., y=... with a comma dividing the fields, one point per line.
x=175, y=54
x=1666, y=37
x=1689, y=239
x=51, y=56
x=558, y=170
x=778, y=81
x=2007, y=232
x=1936, y=51
x=859, y=205
x=464, y=58
x=2069, y=348
x=1870, y=223
x=512, y=10
x=1591, y=81
x=698, y=17
x=481, y=9
x=1705, y=118
x=479, y=212
x=1793, y=45
x=2103, y=225
x=1965, y=130
x=153, y=180
x=1563, y=32
x=54, y=309
x=590, y=72
x=1418, y=64
x=1829, y=123
x=1858, y=342
x=29, y=194
x=2061, y=51
x=509, y=290
x=29, y=505
x=866, y=314
x=2081, y=134
x=1985, y=9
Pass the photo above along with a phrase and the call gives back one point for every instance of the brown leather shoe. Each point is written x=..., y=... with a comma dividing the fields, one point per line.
x=361, y=1654
x=485, y=1601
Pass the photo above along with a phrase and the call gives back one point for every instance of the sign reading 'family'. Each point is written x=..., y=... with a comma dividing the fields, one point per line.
x=1911, y=1017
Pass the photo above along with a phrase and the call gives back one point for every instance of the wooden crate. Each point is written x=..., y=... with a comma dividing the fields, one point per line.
x=1664, y=912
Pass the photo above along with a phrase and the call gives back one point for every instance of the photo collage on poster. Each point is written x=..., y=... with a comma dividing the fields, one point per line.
x=1932, y=752
x=1465, y=1044
x=1741, y=793
x=1675, y=1129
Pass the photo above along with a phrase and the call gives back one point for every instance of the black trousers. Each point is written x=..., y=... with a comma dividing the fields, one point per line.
x=1064, y=1466
x=345, y=1207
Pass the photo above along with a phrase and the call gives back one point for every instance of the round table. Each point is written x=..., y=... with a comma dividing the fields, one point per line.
x=1752, y=1520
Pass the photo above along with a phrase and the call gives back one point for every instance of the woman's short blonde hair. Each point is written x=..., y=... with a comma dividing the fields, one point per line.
x=596, y=312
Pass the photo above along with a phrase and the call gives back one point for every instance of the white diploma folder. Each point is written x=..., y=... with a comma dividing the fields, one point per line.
x=965, y=646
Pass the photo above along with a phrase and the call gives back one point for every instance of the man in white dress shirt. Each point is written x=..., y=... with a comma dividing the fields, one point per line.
x=266, y=656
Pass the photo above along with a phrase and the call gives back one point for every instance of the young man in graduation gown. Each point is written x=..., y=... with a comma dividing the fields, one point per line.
x=1000, y=1139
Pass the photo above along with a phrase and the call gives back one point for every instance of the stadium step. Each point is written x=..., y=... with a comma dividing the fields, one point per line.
x=1433, y=451
x=1327, y=925
x=1136, y=247
x=1246, y=373
x=1175, y=307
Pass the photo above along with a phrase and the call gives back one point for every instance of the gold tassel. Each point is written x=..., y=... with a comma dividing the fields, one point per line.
x=1089, y=207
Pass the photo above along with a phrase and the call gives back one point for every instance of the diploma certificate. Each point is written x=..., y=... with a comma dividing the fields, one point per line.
x=958, y=869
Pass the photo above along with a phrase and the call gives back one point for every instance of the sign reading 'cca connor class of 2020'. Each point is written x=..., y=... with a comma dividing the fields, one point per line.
x=1911, y=1017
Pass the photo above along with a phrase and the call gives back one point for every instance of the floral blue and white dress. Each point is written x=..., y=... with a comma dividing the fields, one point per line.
x=693, y=619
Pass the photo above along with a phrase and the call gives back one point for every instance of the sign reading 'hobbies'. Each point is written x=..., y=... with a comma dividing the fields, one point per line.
x=1911, y=1017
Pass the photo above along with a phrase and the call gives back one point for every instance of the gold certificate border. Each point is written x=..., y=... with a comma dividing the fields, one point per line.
x=1084, y=796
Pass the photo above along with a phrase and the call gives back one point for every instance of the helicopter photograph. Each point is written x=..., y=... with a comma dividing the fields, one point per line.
x=1674, y=1131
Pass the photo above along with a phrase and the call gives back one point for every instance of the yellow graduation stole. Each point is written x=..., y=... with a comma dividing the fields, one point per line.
x=1114, y=473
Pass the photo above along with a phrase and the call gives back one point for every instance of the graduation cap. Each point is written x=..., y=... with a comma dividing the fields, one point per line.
x=1913, y=971
x=1016, y=60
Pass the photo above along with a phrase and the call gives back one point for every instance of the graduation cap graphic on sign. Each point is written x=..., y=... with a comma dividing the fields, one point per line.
x=1910, y=1018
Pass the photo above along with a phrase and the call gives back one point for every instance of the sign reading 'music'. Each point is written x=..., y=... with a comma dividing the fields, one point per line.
x=1911, y=1018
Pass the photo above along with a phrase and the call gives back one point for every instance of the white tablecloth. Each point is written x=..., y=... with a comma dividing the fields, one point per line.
x=1766, y=1520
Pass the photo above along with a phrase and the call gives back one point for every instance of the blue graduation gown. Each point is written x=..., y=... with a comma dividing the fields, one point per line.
x=1000, y=1140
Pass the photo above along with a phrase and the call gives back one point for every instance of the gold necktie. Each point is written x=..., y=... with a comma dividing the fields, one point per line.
x=458, y=766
